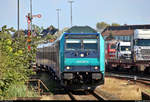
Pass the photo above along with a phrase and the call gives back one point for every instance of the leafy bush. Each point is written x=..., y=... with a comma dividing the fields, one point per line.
x=14, y=61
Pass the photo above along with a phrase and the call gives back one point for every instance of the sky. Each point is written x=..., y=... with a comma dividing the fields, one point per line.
x=84, y=12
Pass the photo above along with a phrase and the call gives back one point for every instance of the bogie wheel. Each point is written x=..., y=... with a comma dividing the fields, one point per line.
x=89, y=91
x=134, y=70
x=147, y=70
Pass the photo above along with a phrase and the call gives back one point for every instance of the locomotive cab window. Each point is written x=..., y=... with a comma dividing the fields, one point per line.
x=73, y=44
x=90, y=44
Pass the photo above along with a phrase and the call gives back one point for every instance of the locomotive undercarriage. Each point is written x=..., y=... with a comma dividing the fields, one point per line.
x=76, y=80
x=82, y=80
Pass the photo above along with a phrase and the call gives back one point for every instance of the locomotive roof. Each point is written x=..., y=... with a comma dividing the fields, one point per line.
x=81, y=29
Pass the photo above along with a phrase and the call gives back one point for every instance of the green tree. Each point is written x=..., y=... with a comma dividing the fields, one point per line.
x=37, y=29
x=18, y=33
x=50, y=37
x=115, y=24
x=5, y=33
x=101, y=25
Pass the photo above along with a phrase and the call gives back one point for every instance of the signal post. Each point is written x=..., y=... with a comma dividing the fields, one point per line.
x=29, y=20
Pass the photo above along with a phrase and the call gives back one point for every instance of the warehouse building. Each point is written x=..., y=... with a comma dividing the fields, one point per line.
x=123, y=33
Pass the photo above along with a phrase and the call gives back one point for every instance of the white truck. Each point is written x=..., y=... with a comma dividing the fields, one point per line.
x=122, y=58
x=140, y=46
x=123, y=50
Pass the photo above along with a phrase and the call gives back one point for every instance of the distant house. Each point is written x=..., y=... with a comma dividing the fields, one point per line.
x=51, y=30
x=122, y=33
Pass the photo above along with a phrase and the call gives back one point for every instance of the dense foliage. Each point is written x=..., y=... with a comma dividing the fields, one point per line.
x=102, y=25
x=14, y=60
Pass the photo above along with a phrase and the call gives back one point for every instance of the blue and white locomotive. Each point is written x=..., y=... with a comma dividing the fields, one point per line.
x=77, y=58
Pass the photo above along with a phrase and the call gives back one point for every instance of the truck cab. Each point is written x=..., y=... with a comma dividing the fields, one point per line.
x=123, y=50
x=141, y=45
x=141, y=49
x=111, y=49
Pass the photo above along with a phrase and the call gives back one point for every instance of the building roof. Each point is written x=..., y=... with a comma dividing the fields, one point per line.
x=123, y=30
x=49, y=31
x=118, y=32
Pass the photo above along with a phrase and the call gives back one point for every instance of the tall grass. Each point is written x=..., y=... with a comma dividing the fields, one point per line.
x=15, y=91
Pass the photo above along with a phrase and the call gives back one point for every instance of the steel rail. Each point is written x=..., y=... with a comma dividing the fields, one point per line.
x=145, y=81
x=127, y=76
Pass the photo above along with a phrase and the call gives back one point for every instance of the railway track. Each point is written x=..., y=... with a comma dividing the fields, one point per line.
x=64, y=94
x=68, y=96
x=145, y=96
x=128, y=72
x=97, y=94
x=143, y=80
x=82, y=95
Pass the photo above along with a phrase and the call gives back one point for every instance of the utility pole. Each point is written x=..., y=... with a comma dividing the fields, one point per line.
x=18, y=18
x=31, y=14
x=58, y=17
x=70, y=1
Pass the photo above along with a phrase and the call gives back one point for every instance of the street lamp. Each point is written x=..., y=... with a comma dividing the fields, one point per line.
x=58, y=17
x=70, y=1
x=18, y=18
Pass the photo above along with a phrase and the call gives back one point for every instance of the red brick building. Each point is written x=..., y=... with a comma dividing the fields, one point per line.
x=124, y=32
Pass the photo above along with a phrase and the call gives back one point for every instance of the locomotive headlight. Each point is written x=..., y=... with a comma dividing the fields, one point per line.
x=82, y=55
x=68, y=67
x=95, y=67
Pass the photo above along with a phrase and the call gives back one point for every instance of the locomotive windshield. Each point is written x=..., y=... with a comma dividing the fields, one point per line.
x=81, y=44
x=73, y=44
x=90, y=44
